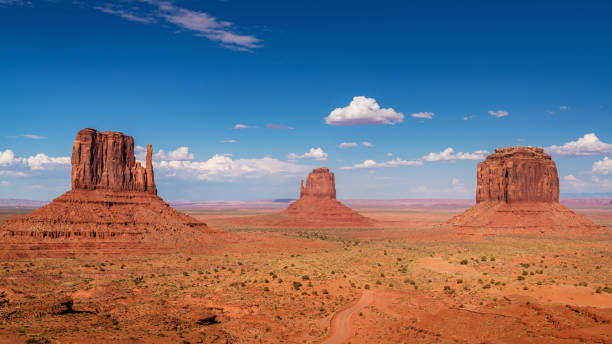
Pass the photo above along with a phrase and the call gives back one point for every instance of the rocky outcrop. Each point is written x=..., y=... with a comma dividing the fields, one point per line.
x=517, y=174
x=316, y=208
x=320, y=183
x=112, y=198
x=106, y=161
x=518, y=192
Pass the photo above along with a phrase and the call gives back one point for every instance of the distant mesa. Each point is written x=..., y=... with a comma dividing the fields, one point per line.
x=317, y=207
x=518, y=192
x=113, y=197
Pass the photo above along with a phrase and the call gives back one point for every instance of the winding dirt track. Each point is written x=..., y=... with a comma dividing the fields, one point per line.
x=340, y=325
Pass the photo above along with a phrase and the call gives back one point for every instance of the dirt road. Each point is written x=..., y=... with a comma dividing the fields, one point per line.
x=340, y=325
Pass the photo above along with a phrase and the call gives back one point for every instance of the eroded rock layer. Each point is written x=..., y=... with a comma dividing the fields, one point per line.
x=106, y=161
x=112, y=198
x=518, y=192
x=517, y=174
x=317, y=207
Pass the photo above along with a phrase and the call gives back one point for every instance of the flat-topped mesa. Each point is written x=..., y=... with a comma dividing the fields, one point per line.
x=320, y=183
x=106, y=161
x=517, y=174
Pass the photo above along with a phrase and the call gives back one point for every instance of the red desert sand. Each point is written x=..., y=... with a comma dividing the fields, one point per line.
x=316, y=208
x=518, y=192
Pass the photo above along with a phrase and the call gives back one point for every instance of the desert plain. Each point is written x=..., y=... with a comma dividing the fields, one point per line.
x=403, y=280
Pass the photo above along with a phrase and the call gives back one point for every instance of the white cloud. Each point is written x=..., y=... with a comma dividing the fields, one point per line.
x=38, y=162
x=456, y=182
x=315, y=153
x=564, y=107
x=363, y=110
x=498, y=113
x=423, y=115
x=468, y=117
x=112, y=9
x=179, y=154
x=367, y=144
x=43, y=162
x=228, y=141
x=389, y=154
x=602, y=166
x=449, y=154
x=34, y=137
x=203, y=24
x=344, y=145
x=587, y=145
x=573, y=181
x=4, y=182
x=244, y=126
x=605, y=184
x=224, y=168
x=387, y=164
x=7, y=158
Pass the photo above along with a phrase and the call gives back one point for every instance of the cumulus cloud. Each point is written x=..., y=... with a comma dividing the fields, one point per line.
x=367, y=144
x=573, y=181
x=344, y=145
x=363, y=110
x=587, y=145
x=179, y=154
x=387, y=164
x=468, y=117
x=449, y=154
x=602, y=183
x=315, y=153
x=43, y=162
x=602, y=166
x=244, y=126
x=201, y=23
x=228, y=141
x=18, y=166
x=498, y=113
x=223, y=168
x=423, y=115
x=279, y=127
x=564, y=107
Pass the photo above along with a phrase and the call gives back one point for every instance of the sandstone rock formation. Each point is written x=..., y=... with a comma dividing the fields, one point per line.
x=518, y=192
x=105, y=161
x=320, y=183
x=112, y=198
x=517, y=174
x=316, y=208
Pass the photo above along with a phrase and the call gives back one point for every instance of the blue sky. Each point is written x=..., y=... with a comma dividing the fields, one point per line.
x=410, y=78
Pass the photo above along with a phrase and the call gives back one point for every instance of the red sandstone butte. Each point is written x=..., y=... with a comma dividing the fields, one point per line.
x=112, y=197
x=316, y=208
x=518, y=192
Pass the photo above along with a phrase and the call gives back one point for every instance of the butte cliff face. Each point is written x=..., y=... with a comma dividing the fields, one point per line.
x=105, y=161
x=316, y=208
x=112, y=197
x=518, y=192
x=517, y=174
x=320, y=183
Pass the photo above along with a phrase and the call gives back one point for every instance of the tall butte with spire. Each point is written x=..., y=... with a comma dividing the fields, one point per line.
x=518, y=191
x=316, y=208
x=112, y=197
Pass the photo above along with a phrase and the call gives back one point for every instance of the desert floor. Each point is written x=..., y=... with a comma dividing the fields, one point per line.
x=406, y=281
